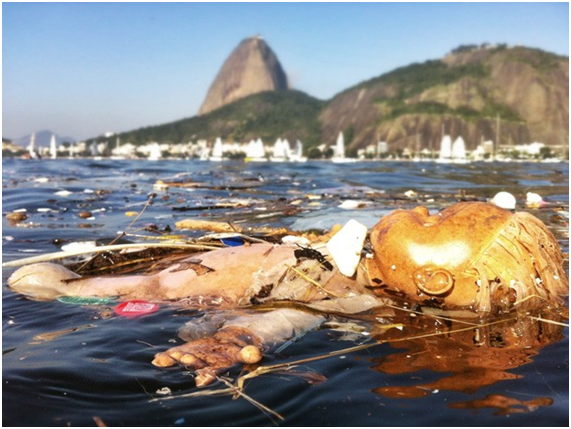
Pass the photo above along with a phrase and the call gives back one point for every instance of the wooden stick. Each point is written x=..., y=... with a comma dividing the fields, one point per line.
x=215, y=226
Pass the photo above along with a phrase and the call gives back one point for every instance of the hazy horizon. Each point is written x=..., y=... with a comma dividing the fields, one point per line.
x=83, y=69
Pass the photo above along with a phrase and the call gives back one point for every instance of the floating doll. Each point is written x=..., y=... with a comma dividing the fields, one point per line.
x=471, y=256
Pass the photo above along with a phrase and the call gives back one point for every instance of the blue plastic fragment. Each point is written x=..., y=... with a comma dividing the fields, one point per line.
x=233, y=241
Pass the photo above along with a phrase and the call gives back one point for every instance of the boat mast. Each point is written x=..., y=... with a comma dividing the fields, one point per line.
x=496, y=147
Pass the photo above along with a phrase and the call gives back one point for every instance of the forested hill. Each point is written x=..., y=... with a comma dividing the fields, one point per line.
x=267, y=115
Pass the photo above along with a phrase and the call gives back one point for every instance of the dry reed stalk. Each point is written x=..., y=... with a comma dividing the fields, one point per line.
x=99, y=249
x=313, y=282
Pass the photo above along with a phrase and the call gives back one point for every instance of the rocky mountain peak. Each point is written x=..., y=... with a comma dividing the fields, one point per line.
x=251, y=68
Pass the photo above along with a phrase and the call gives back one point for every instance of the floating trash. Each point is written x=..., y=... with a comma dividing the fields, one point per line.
x=164, y=391
x=353, y=204
x=534, y=200
x=233, y=241
x=79, y=246
x=504, y=200
x=346, y=246
x=81, y=300
x=16, y=217
x=135, y=308
x=292, y=239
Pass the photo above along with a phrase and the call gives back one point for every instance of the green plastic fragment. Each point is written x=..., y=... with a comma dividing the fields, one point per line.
x=86, y=300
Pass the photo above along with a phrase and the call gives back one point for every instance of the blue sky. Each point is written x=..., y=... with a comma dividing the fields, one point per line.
x=82, y=69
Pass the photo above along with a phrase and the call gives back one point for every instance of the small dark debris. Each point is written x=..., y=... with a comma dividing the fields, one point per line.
x=263, y=293
x=308, y=253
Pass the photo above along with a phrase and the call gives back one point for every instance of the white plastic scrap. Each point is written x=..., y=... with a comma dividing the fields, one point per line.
x=352, y=204
x=79, y=246
x=533, y=199
x=504, y=200
x=292, y=239
x=345, y=247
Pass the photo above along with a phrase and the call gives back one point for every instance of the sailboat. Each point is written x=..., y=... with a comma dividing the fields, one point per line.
x=445, y=150
x=53, y=147
x=217, y=151
x=459, y=151
x=339, y=151
x=32, y=148
x=154, y=152
x=281, y=151
x=204, y=154
x=297, y=154
x=255, y=151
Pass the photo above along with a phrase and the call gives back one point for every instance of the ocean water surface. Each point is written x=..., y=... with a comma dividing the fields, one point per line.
x=78, y=365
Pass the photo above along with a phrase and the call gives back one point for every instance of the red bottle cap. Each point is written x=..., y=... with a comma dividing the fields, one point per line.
x=135, y=308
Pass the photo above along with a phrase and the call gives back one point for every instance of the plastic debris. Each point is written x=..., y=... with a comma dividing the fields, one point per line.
x=16, y=217
x=164, y=391
x=135, y=308
x=410, y=194
x=86, y=300
x=131, y=214
x=345, y=247
x=79, y=246
x=534, y=200
x=160, y=185
x=292, y=239
x=233, y=241
x=504, y=200
x=353, y=204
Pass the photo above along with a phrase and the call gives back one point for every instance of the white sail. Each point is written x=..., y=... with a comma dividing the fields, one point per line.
x=340, y=146
x=445, y=149
x=459, y=149
x=339, y=151
x=32, y=148
x=154, y=152
x=287, y=149
x=281, y=151
x=53, y=147
x=278, y=150
x=255, y=151
x=217, y=150
x=297, y=154
x=205, y=154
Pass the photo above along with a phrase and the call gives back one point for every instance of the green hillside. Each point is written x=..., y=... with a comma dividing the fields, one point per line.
x=267, y=115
